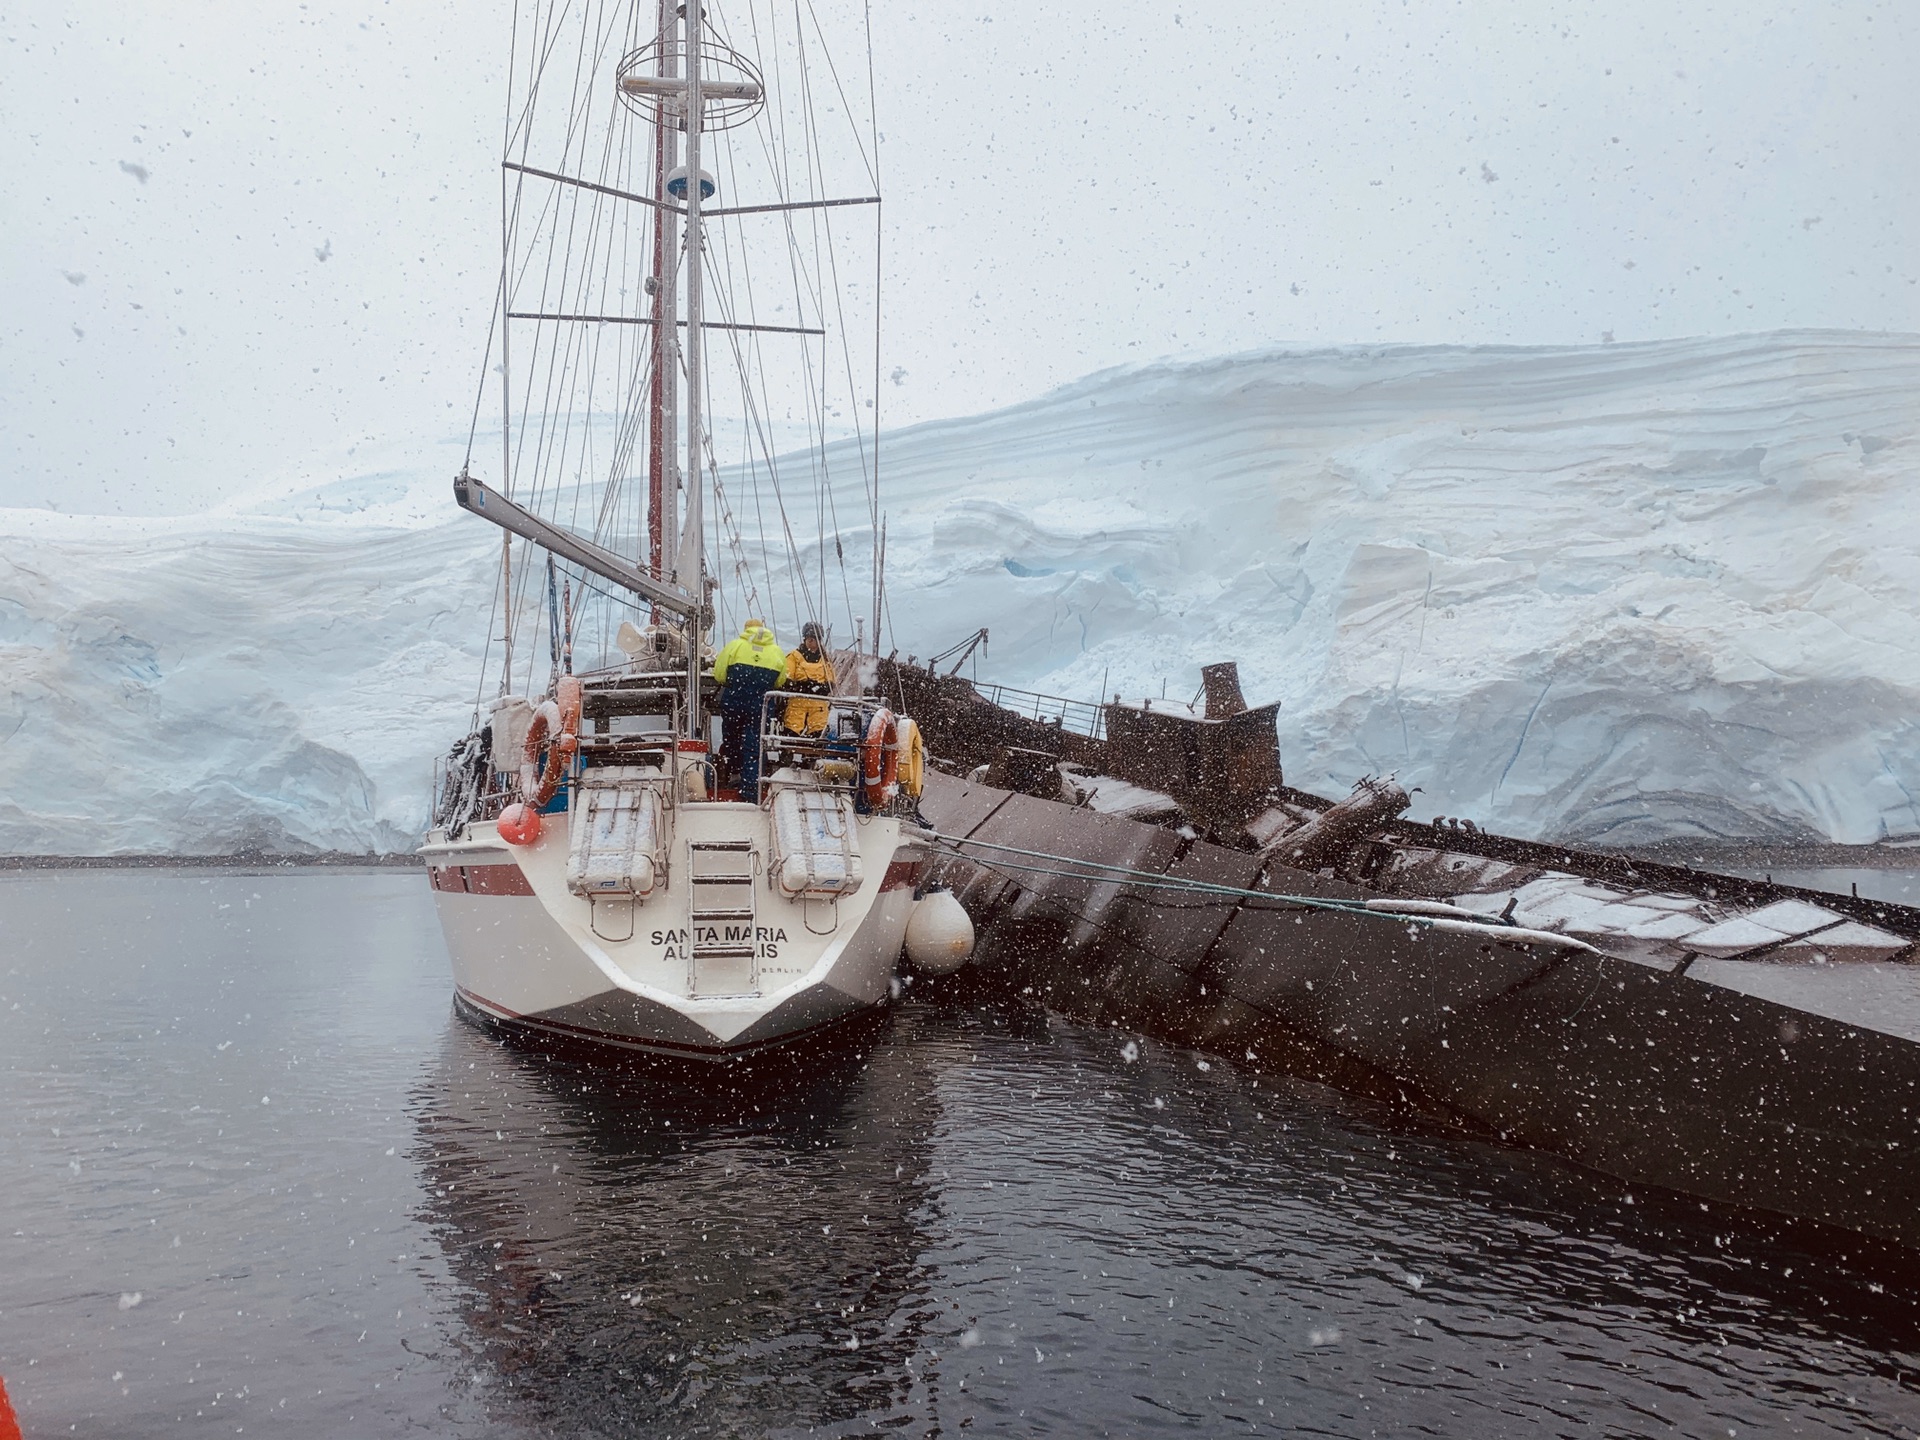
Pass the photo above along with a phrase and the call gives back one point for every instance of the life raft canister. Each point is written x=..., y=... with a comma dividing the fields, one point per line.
x=880, y=758
x=556, y=725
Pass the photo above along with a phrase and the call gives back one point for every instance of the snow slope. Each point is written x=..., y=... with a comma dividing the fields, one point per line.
x=1609, y=593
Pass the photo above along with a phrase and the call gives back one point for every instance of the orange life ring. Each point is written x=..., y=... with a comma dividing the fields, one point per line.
x=880, y=758
x=556, y=725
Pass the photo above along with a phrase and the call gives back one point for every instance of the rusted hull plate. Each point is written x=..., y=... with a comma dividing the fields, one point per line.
x=1652, y=1077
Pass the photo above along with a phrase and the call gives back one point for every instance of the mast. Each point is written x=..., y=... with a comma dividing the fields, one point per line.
x=663, y=480
x=695, y=583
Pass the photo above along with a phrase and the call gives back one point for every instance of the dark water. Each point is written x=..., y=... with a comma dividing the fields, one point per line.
x=255, y=1178
x=1876, y=882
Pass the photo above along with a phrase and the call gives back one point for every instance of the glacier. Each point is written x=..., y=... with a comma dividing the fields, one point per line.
x=1612, y=594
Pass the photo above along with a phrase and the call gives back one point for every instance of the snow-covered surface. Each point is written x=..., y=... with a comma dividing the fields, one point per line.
x=1606, y=593
x=228, y=682
x=1111, y=795
x=1874, y=996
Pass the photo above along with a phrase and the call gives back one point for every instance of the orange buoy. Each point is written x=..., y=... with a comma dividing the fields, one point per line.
x=880, y=758
x=556, y=728
x=518, y=825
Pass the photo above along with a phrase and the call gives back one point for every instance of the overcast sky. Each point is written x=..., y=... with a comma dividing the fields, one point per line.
x=242, y=241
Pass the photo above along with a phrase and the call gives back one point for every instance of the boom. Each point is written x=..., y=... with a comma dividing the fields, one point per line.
x=476, y=498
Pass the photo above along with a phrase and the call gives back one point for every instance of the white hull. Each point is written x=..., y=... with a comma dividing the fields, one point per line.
x=531, y=956
x=650, y=916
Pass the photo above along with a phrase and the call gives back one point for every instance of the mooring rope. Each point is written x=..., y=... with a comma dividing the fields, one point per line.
x=1105, y=872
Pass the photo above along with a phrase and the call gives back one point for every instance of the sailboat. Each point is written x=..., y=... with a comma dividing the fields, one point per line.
x=606, y=867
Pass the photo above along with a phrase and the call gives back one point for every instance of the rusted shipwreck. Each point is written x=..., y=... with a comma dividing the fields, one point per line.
x=1737, y=1040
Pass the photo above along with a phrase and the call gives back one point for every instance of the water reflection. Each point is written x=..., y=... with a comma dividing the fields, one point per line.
x=1004, y=1221
x=637, y=1249
x=240, y=1103
x=1250, y=1252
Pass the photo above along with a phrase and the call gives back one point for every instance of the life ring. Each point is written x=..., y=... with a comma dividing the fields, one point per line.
x=913, y=758
x=880, y=758
x=556, y=725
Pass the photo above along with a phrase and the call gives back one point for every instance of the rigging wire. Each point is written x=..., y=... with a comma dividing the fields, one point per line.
x=811, y=152
x=879, y=236
x=549, y=467
x=757, y=428
x=480, y=390
x=824, y=502
x=823, y=221
x=758, y=409
x=581, y=416
x=1068, y=867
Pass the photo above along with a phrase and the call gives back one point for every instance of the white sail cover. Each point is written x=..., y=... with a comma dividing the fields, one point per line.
x=617, y=839
x=815, y=851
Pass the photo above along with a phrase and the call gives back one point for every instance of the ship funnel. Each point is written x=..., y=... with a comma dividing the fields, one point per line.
x=1222, y=683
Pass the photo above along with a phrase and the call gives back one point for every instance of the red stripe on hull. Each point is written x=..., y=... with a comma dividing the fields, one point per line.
x=901, y=875
x=503, y=879
x=481, y=1001
x=504, y=1018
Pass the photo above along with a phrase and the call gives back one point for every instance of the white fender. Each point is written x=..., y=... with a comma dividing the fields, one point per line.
x=939, y=934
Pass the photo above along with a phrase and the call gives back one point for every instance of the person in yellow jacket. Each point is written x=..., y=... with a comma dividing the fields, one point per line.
x=809, y=670
x=747, y=668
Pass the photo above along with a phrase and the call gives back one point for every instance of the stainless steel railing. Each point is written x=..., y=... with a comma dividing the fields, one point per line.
x=1082, y=717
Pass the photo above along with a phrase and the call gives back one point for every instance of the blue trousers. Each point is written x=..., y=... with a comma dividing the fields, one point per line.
x=740, y=700
x=740, y=743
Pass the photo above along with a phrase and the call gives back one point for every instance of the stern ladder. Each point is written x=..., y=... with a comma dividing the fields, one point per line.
x=723, y=956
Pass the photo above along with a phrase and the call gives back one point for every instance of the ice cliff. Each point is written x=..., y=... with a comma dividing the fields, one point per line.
x=1607, y=593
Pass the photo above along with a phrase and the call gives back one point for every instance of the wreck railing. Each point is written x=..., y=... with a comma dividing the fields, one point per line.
x=1080, y=716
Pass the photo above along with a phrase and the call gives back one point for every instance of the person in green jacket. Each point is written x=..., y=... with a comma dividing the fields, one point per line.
x=746, y=669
